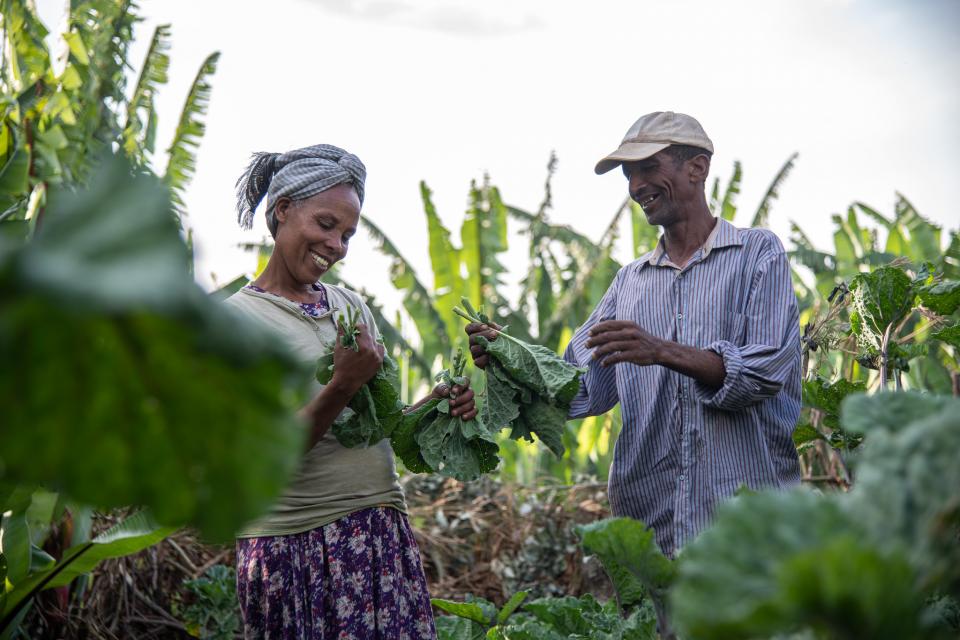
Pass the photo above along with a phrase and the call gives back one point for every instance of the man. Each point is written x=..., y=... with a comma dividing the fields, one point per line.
x=697, y=340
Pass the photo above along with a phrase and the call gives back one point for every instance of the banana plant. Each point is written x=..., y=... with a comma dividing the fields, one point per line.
x=58, y=116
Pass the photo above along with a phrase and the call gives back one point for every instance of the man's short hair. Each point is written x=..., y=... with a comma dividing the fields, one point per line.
x=683, y=152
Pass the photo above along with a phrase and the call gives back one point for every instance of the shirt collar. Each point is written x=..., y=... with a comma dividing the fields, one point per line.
x=723, y=234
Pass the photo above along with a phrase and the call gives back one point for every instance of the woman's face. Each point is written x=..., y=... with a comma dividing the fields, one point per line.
x=314, y=234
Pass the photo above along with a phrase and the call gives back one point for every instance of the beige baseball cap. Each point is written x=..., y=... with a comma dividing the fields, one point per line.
x=653, y=133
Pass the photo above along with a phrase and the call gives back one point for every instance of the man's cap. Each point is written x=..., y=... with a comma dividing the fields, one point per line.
x=653, y=133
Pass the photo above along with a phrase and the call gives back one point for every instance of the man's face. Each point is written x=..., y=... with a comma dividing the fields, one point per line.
x=661, y=186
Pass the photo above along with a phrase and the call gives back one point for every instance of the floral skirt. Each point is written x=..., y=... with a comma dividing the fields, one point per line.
x=357, y=578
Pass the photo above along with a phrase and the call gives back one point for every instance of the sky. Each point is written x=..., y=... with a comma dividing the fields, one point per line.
x=446, y=91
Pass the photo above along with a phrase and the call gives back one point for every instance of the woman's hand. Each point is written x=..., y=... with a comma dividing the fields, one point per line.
x=462, y=404
x=352, y=369
x=477, y=352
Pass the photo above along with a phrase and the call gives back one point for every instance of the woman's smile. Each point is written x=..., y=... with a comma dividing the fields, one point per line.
x=320, y=261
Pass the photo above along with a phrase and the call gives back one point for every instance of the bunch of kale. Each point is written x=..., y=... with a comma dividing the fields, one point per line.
x=427, y=439
x=528, y=387
x=528, y=390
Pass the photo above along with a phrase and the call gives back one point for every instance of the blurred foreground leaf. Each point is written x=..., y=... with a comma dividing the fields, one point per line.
x=908, y=483
x=122, y=382
x=773, y=563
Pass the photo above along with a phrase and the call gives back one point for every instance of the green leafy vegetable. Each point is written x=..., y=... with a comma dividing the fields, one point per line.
x=460, y=449
x=427, y=439
x=908, y=481
x=404, y=438
x=528, y=387
x=347, y=328
x=565, y=618
x=137, y=532
x=942, y=297
x=881, y=298
x=376, y=410
x=636, y=566
x=582, y=617
x=890, y=411
x=950, y=335
x=775, y=562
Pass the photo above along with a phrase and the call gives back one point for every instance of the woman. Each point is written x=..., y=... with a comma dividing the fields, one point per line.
x=335, y=557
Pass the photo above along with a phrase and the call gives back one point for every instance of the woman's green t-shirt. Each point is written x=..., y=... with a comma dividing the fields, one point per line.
x=332, y=481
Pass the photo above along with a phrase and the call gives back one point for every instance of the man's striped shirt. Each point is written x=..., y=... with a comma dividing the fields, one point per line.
x=685, y=447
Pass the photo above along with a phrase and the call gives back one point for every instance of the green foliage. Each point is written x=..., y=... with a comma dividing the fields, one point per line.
x=919, y=298
x=633, y=561
x=182, y=162
x=645, y=235
x=106, y=272
x=383, y=387
x=908, y=482
x=727, y=208
x=565, y=618
x=60, y=121
x=139, y=132
x=210, y=609
x=580, y=618
x=826, y=398
x=942, y=298
x=776, y=563
x=473, y=619
x=427, y=439
x=949, y=335
x=104, y=331
x=404, y=438
x=881, y=299
x=445, y=258
x=375, y=411
x=484, y=236
x=890, y=411
x=347, y=329
x=761, y=217
x=417, y=300
x=137, y=532
x=529, y=388
x=452, y=446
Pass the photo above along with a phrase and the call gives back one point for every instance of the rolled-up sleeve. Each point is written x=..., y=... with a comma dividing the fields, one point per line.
x=760, y=367
x=598, y=386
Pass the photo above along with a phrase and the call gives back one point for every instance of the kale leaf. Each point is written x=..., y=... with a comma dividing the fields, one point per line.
x=528, y=387
x=375, y=411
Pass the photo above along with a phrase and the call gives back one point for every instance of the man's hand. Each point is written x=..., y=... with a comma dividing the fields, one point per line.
x=352, y=369
x=462, y=404
x=624, y=341
x=477, y=352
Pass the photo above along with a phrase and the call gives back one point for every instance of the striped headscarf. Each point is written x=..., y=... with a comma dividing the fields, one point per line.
x=296, y=175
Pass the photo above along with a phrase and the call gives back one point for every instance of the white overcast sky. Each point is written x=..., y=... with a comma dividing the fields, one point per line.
x=447, y=90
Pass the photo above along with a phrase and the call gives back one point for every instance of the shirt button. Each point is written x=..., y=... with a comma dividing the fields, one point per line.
x=681, y=477
x=679, y=316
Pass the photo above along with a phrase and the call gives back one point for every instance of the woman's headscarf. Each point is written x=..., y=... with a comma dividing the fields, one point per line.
x=296, y=175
